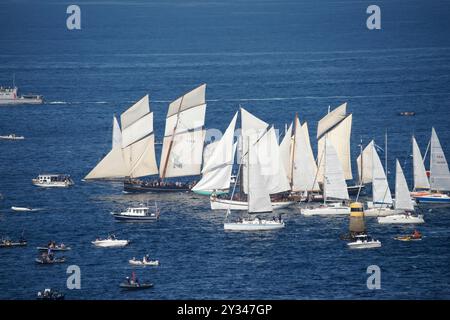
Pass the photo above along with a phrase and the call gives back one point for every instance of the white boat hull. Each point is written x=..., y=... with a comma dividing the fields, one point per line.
x=52, y=184
x=224, y=204
x=110, y=243
x=21, y=209
x=401, y=219
x=12, y=137
x=326, y=211
x=380, y=212
x=364, y=244
x=253, y=225
x=142, y=263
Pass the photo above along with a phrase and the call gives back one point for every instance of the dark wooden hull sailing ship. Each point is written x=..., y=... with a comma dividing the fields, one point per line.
x=132, y=156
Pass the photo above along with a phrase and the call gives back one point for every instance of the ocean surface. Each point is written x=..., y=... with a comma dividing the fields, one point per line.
x=274, y=58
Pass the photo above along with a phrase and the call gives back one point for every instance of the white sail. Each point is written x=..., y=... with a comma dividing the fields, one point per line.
x=184, y=135
x=258, y=195
x=217, y=178
x=271, y=164
x=285, y=152
x=339, y=136
x=117, y=134
x=140, y=157
x=306, y=132
x=304, y=167
x=217, y=171
x=439, y=172
x=252, y=129
x=112, y=166
x=365, y=172
x=381, y=193
x=334, y=182
x=402, y=196
x=420, y=174
x=138, y=142
x=135, y=156
x=331, y=120
x=208, y=151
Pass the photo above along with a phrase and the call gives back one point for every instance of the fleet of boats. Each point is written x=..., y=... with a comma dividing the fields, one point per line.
x=271, y=175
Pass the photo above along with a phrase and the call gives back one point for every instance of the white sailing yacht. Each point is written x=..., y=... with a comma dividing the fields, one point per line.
x=132, y=153
x=336, y=126
x=334, y=185
x=439, y=174
x=255, y=131
x=300, y=162
x=258, y=199
x=403, y=205
x=182, y=149
x=216, y=172
x=382, y=203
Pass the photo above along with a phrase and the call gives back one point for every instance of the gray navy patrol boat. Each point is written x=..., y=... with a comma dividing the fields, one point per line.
x=10, y=96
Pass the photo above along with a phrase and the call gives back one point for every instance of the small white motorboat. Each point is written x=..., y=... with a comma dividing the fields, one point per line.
x=110, y=242
x=364, y=242
x=144, y=262
x=404, y=218
x=328, y=209
x=13, y=208
x=138, y=214
x=53, y=180
x=12, y=136
x=256, y=224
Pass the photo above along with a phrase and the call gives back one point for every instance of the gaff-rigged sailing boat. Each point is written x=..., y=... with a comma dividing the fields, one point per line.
x=274, y=176
x=258, y=198
x=336, y=126
x=439, y=174
x=298, y=160
x=403, y=205
x=334, y=185
x=216, y=172
x=132, y=153
x=182, y=149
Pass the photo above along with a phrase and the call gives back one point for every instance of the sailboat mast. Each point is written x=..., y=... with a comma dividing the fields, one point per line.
x=361, y=177
x=248, y=175
x=171, y=140
x=241, y=172
x=293, y=151
x=361, y=164
x=385, y=153
x=324, y=171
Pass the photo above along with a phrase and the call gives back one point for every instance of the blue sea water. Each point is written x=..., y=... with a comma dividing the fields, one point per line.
x=274, y=58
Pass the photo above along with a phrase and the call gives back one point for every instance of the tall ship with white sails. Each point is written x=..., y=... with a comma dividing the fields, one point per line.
x=182, y=148
x=133, y=149
x=132, y=153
